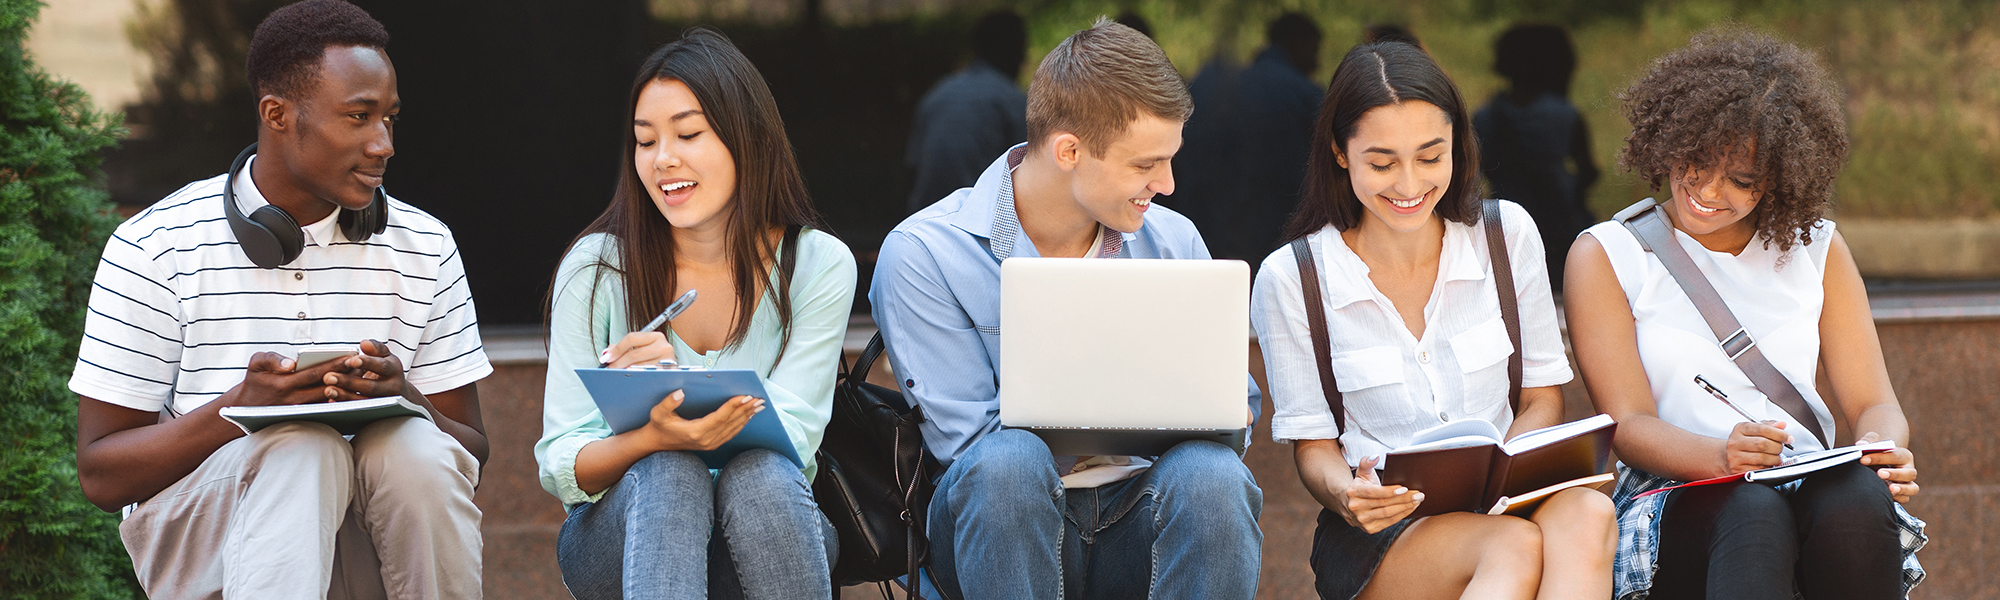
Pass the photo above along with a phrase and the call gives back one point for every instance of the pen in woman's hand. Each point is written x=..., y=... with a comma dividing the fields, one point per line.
x=1710, y=388
x=673, y=310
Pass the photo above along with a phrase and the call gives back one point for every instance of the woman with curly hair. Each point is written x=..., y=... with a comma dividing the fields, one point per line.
x=1747, y=133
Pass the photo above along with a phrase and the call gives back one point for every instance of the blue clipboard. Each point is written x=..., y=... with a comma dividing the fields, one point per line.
x=627, y=397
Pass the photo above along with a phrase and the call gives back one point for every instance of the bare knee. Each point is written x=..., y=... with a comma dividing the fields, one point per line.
x=1580, y=518
x=1511, y=540
x=1581, y=509
x=1586, y=504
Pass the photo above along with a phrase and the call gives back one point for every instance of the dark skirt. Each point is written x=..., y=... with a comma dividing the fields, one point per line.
x=1344, y=557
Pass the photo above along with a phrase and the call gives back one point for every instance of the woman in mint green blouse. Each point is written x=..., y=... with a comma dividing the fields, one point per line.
x=712, y=201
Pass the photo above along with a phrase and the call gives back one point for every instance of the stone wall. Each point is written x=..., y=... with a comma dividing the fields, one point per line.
x=1946, y=372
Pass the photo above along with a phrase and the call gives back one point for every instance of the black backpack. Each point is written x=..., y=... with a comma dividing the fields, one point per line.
x=874, y=481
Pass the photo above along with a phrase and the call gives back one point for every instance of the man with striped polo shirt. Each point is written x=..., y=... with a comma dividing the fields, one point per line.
x=204, y=300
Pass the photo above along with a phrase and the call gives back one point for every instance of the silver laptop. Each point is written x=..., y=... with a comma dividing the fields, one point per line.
x=1124, y=356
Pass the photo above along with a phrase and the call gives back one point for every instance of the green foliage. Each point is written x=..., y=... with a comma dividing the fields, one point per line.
x=54, y=220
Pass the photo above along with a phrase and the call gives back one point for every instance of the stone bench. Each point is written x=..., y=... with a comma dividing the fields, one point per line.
x=1943, y=354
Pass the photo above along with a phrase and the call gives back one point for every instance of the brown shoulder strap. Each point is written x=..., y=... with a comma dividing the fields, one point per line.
x=1510, y=302
x=1656, y=235
x=1316, y=320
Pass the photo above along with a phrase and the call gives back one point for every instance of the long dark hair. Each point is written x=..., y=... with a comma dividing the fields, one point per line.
x=1374, y=75
x=769, y=190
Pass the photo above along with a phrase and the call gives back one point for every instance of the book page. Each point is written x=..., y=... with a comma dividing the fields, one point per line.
x=1555, y=433
x=316, y=408
x=1815, y=461
x=1454, y=434
x=1806, y=457
x=1463, y=441
x=1524, y=504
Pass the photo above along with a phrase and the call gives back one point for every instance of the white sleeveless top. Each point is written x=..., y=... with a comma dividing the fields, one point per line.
x=1779, y=306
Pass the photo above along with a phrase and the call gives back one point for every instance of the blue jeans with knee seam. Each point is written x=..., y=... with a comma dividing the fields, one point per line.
x=670, y=529
x=1002, y=526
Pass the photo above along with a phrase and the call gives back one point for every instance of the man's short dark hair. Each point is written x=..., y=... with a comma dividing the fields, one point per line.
x=285, y=50
x=1536, y=58
x=1001, y=39
x=1292, y=28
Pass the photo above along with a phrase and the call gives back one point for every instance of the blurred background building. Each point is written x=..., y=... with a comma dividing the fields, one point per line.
x=511, y=114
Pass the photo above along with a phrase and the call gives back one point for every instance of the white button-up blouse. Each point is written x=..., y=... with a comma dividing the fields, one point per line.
x=1395, y=384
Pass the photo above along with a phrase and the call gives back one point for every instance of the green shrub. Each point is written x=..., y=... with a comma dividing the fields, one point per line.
x=54, y=219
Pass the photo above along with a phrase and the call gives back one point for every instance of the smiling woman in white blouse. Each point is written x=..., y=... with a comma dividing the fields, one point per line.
x=1391, y=213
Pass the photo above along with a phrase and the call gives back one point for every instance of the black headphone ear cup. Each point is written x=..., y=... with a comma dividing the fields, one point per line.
x=359, y=225
x=284, y=231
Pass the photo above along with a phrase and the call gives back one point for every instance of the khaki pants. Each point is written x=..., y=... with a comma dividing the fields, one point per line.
x=296, y=511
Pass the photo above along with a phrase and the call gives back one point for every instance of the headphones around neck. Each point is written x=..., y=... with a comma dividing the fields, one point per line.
x=272, y=239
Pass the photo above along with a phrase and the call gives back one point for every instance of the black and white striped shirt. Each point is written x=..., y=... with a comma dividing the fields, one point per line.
x=177, y=309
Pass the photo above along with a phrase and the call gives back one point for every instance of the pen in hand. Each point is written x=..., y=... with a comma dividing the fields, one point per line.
x=673, y=310
x=1710, y=388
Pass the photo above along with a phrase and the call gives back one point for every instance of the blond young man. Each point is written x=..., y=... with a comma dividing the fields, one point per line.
x=1009, y=519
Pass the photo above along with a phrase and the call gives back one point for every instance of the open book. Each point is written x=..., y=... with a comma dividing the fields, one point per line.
x=347, y=416
x=1463, y=465
x=1794, y=467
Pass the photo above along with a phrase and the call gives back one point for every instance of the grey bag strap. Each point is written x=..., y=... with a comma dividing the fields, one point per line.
x=1656, y=235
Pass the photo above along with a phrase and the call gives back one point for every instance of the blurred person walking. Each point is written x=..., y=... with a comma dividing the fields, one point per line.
x=1245, y=155
x=971, y=116
x=1138, y=23
x=1376, y=33
x=1534, y=146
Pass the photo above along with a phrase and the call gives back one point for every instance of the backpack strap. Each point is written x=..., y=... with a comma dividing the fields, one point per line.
x=1510, y=302
x=1316, y=322
x=788, y=254
x=1656, y=235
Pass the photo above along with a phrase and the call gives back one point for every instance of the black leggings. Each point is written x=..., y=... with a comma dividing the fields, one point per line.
x=1836, y=536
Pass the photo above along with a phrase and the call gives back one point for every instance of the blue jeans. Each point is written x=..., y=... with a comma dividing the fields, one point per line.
x=1001, y=526
x=668, y=529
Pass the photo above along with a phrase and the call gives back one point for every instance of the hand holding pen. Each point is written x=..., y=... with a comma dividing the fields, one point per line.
x=647, y=345
x=1753, y=444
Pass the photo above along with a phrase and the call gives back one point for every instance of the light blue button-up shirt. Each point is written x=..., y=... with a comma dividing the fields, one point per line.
x=936, y=298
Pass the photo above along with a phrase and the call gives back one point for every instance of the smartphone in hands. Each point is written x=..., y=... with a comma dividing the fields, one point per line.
x=314, y=355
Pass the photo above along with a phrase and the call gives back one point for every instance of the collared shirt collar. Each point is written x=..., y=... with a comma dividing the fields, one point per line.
x=1458, y=260
x=989, y=212
x=248, y=199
